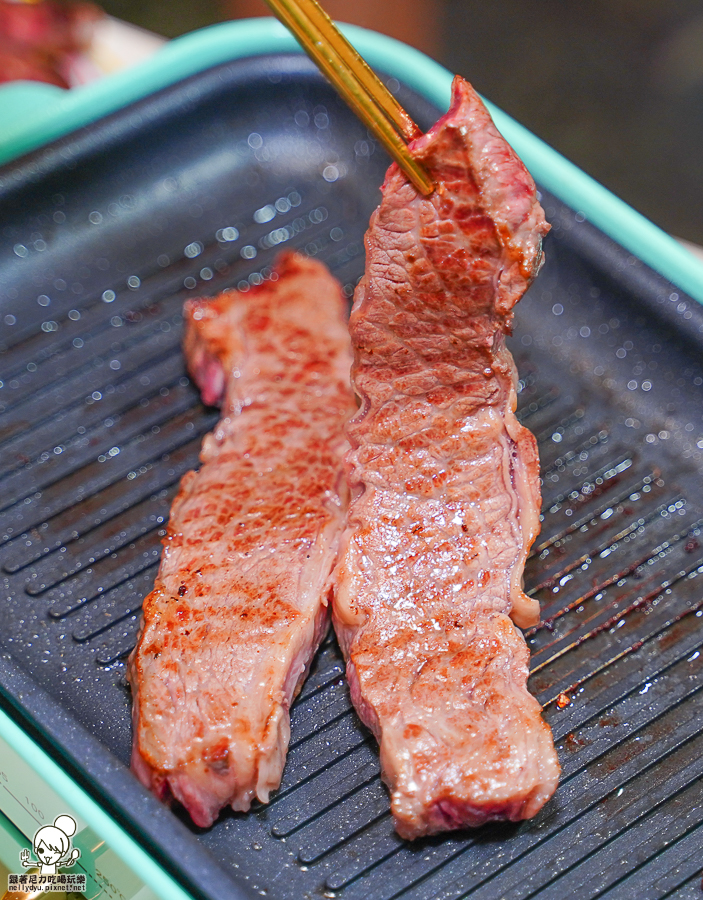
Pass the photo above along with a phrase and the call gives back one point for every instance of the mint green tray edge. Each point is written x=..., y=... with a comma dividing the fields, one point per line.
x=32, y=115
x=103, y=824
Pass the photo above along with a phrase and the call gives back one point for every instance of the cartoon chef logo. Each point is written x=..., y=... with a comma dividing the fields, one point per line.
x=52, y=846
x=53, y=850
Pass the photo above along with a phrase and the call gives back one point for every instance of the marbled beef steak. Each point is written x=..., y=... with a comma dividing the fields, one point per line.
x=445, y=488
x=240, y=602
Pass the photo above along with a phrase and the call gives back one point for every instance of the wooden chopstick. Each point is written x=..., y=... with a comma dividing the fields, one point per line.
x=356, y=82
x=373, y=85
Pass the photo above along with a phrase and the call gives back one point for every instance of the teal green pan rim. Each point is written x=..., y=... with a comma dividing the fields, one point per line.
x=129, y=851
x=33, y=114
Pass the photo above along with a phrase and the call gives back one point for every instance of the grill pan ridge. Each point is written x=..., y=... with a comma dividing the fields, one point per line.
x=103, y=235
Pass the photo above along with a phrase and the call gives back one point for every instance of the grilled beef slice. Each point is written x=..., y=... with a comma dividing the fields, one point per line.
x=445, y=490
x=240, y=602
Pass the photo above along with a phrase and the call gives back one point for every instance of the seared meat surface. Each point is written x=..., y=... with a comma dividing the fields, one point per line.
x=240, y=603
x=445, y=491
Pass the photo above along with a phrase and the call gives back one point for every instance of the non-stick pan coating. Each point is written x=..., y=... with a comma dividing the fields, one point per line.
x=103, y=235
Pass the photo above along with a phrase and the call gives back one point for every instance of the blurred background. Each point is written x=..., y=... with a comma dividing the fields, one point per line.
x=614, y=85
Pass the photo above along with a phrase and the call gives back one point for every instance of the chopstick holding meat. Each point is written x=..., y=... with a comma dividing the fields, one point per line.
x=240, y=603
x=445, y=488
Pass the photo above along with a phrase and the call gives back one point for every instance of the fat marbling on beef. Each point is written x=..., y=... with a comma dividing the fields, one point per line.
x=445, y=490
x=240, y=601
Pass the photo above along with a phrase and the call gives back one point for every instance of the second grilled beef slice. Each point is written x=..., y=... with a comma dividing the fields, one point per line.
x=445, y=488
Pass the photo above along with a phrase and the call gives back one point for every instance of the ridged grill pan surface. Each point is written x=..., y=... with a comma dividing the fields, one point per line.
x=103, y=235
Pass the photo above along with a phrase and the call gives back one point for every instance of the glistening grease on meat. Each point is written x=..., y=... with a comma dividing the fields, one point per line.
x=240, y=601
x=445, y=491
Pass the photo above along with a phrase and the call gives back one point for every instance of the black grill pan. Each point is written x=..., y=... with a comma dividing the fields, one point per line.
x=103, y=235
